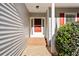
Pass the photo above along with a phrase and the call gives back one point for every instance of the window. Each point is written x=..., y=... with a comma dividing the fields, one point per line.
x=70, y=18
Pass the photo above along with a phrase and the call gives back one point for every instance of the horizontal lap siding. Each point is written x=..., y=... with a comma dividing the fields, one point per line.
x=11, y=30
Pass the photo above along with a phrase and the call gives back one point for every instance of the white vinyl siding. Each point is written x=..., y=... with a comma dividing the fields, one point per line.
x=11, y=30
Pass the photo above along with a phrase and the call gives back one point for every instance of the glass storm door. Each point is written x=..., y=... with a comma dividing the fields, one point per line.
x=37, y=27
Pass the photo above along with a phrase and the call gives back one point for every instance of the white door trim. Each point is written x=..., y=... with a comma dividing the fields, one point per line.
x=32, y=29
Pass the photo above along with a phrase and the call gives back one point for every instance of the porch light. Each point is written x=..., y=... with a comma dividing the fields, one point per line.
x=37, y=7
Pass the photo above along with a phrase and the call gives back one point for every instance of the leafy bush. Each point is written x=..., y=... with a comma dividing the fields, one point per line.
x=67, y=40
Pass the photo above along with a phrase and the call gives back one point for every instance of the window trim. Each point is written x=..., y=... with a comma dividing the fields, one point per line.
x=73, y=13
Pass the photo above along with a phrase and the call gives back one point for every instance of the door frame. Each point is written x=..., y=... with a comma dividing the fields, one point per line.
x=32, y=18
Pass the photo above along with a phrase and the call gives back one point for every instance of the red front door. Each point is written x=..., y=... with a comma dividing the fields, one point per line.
x=37, y=25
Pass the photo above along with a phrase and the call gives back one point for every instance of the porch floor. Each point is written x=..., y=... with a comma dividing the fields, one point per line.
x=36, y=47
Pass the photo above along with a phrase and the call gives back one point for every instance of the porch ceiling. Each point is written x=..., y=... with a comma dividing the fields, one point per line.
x=70, y=5
x=42, y=7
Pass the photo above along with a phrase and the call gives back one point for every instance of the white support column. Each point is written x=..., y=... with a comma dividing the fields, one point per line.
x=49, y=27
x=53, y=29
x=50, y=30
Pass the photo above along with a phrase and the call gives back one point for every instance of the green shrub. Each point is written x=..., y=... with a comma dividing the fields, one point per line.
x=67, y=40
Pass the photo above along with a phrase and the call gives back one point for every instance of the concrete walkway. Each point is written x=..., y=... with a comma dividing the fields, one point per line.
x=36, y=47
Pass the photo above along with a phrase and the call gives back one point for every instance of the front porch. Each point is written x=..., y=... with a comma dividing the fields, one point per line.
x=36, y=47
x=37, y=28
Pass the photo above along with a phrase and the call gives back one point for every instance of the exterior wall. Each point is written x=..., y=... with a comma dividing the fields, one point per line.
x=65, y=10
x=22, y=10
x=37, y=14
x=11, y=30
